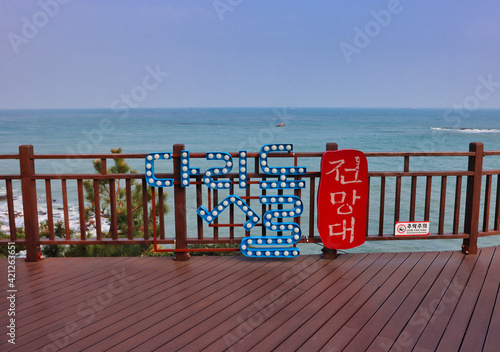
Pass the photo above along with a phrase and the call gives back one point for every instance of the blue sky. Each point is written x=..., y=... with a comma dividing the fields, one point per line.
x=249, y=53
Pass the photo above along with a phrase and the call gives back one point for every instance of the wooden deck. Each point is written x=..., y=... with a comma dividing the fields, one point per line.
x=439, y=301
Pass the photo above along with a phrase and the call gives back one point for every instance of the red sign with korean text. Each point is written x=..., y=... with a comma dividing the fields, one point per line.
x=343, y=199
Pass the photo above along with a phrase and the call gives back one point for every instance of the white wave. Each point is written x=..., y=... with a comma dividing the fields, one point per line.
x=467, y=130
x=58, y=215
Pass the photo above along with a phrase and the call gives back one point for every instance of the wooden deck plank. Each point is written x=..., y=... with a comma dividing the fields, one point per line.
x=359, y=302
x=22, y=266
x=87, y=314
x=258, y=285
x=266, y=303
x=431, y=317
x=31, y=296
x=493, y=337
x=371, y=318
x=22, y=273
x=440, y=312
x=439, y=271
x=70, y=305
x=237, y=327
x=65, y=282
x=320, y=304
x=28, y=329
x=478, y=326
x=157, y=294
x=49, y=270
x=400, y=265
x=310, y=303
x=166, y=319
x=465, y=308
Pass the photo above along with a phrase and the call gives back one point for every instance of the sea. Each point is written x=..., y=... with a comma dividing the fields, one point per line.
x=84, y=131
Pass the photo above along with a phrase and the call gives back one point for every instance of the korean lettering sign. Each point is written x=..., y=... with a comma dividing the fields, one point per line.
x=343, y=199
x=411, y=228
x=252, y=246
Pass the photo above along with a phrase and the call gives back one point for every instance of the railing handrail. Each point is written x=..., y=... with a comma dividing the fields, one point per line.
x=250, y=154
x=474, y=174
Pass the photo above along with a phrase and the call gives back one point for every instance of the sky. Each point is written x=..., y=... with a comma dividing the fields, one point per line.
x=57, y=54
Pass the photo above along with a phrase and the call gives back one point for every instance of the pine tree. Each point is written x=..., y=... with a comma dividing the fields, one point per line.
x=120, y=167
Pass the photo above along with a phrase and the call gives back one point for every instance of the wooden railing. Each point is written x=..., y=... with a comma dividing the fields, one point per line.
x=181, y=227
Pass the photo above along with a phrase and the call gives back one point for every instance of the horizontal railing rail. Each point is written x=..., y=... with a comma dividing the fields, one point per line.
x=464, y=204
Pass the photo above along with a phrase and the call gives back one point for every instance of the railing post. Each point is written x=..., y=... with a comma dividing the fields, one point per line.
x=180, y=206
x=473, y=198
x=28, y=186
x=329, y=253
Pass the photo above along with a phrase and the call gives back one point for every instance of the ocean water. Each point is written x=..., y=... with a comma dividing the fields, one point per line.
x=232, y=129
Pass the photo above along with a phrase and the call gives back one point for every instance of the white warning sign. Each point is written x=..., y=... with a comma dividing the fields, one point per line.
x=411, y=228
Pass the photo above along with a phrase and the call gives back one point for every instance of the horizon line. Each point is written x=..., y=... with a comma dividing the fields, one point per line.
x=242, y=107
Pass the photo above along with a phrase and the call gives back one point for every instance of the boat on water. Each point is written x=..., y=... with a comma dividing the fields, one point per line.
x=281, y=124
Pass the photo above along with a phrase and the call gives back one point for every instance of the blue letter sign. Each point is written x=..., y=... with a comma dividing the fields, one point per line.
x=252, y=246
x=210, y=216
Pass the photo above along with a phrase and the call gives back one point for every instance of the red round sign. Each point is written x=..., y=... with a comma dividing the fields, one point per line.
x=343, y=199
x=401, y=228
